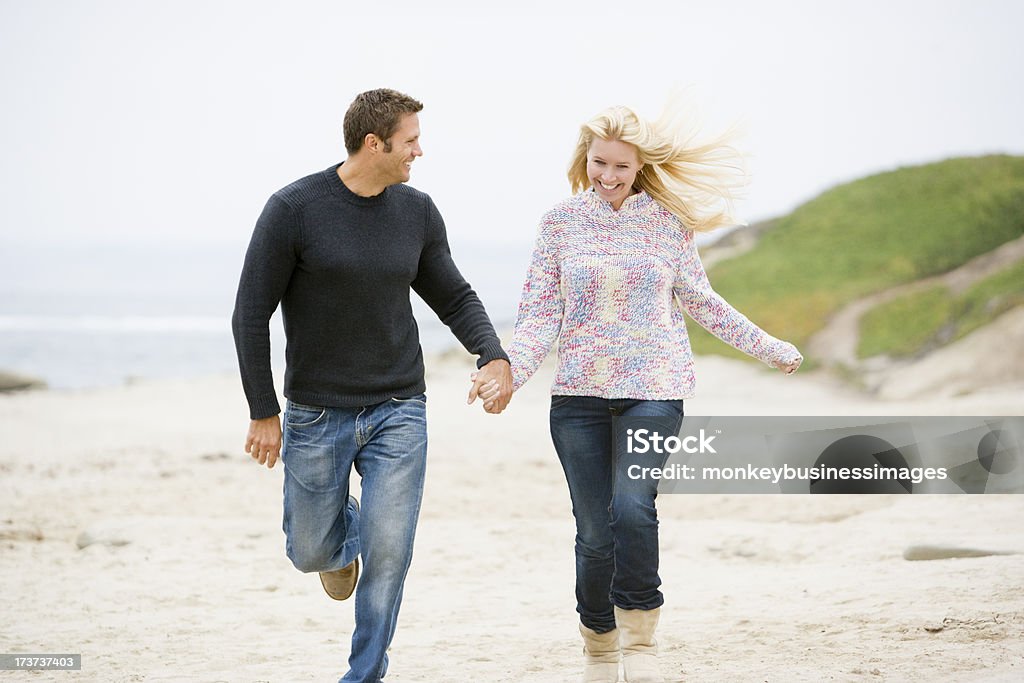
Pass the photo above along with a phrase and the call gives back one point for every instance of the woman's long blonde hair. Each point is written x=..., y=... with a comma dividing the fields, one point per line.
x=696, y=182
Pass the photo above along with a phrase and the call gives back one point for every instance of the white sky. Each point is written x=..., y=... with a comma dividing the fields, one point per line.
x=171, y=122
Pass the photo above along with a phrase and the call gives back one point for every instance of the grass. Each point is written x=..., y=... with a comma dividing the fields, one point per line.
x=907, y=325
x=867, y=236
x=913, y=324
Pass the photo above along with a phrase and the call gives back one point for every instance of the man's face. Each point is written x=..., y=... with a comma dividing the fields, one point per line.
x=405, y=147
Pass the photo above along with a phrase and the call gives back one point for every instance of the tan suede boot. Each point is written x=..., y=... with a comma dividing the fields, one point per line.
x=639, y=648
x=601, y=656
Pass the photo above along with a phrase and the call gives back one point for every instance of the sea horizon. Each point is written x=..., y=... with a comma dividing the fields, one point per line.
x=95, y=316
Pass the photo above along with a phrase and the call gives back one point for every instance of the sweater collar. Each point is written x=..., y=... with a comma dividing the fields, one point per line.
x=341, y=189
x=634, y=204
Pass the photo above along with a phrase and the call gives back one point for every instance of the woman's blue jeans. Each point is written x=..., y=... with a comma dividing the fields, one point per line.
x=387, y=445
x=616, y=518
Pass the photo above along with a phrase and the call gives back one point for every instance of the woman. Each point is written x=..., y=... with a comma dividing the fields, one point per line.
x=613, y=269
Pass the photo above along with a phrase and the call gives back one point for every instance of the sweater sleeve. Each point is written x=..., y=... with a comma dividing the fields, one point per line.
x=440, y=284
x=540, y=313
x=694, y=294
x=268, y=267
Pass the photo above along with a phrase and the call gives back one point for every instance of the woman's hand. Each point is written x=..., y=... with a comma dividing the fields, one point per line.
x=788, y=368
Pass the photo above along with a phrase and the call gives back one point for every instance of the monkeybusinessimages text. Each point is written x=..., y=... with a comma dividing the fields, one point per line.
x=643, y=441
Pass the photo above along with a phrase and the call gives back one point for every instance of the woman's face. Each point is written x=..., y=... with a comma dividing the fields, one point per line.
x=612, y=166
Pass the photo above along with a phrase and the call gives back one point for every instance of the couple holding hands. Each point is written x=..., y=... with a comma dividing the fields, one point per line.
x=612, y=272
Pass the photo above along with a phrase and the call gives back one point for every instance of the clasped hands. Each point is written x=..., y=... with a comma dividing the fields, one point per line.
x=492, y=384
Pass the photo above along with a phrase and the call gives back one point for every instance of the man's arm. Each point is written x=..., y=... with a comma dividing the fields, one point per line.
x=268, y=266
x=442, y=287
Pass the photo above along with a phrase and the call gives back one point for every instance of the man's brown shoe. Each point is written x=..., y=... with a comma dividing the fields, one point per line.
x=340, y=583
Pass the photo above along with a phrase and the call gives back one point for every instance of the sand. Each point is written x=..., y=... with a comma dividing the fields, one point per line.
x=135, y=531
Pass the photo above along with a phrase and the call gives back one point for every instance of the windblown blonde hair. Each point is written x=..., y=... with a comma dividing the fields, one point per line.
x=695, y=181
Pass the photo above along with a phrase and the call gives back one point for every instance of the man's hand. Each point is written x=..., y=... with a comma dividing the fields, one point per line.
x=263, y=442
x=496, y=376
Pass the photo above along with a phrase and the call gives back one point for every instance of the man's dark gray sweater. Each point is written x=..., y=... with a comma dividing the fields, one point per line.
x=341, y=266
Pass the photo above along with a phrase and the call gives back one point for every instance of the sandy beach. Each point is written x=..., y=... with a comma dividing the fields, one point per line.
x=135, y=531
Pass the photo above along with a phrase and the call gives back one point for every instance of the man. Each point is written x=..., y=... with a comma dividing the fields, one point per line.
x=339, y=250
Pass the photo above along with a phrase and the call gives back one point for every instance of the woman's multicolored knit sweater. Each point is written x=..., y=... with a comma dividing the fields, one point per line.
x=611, y=286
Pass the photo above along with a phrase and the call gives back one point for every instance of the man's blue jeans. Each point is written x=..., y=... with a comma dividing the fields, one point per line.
x=616, y=519
x=387, y=445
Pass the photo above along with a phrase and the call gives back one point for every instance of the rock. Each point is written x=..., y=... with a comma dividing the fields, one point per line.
x=10, y=381
x=918, y=553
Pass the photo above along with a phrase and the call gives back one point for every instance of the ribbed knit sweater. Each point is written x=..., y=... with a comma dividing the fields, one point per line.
x=611, y=287
x=341, y=267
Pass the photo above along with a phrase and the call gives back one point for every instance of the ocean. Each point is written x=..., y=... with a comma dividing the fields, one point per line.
x=91, y=316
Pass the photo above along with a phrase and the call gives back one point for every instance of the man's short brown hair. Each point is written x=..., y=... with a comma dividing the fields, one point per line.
x=378, y=112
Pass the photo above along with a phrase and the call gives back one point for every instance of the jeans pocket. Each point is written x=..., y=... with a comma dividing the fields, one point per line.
x=310, y=462
x=299, y=415
x=559, y=401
